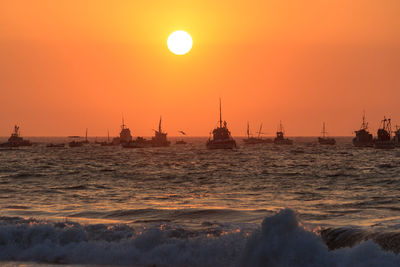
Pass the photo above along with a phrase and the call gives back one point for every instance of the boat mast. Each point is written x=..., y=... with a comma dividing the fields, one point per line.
x=259, y=131
x=159, y=126
x=323, y=130
x=86, y=135
x=123, y=123
x=108, y=135
x=220, y=114
x=248, y=130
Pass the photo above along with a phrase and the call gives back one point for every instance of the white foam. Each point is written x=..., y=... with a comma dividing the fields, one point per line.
x=280, y=241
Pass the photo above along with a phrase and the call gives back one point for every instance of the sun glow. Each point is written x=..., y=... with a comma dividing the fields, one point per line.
x=179, y=42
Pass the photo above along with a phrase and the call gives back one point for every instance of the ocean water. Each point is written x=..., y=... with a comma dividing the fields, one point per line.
x=262, y=205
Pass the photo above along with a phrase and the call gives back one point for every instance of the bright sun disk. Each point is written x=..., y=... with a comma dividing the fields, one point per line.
x=179, y=42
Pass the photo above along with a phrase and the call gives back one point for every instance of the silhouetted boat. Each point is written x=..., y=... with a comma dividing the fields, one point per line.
x=16, y=140
x=75, y=144
x=159, y=139
x=280, y=138
x=86, y=141
x=139, y=142
x=363, y=137
x=106, y=143
x=55, y=145
x=384, y=139
x=250, y=140
x=397, y=137
x=124, y=136
x=325, y=140
x=222, y=138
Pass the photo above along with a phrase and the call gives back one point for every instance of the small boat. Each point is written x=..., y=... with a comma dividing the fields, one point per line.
x=75, y=144
x=139, y=142
x=16, y=140
x=363, y=137
x=325, y=140
x=107, y=143
x=397, y=137
x=250, y=140
x=181, y=142
x=280, y=138
x=86, y=141
x=124, y=136
x=160, y=138
x=384, y=138
x=221, y=138
x=55, y=145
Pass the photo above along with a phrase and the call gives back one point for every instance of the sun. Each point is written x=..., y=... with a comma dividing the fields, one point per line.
x=179, y=42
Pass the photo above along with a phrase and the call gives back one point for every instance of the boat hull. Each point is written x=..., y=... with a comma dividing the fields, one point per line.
x=223, y=144
x=384, y=144
x=326, y=141
x=283, y=142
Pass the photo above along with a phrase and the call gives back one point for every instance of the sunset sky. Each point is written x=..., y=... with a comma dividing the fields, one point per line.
x=70, y=65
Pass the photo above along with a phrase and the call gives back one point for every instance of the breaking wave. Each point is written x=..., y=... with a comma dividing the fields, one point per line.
x=281, y=240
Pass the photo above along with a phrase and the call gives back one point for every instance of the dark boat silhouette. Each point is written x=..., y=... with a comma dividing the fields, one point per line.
x=280, y=137
x=363, y=137
x=221, y=138
x=75, y=144
x=158, y=140
x=384, y=138
x=106, y=143
x=397, y=137
x=250, y=140
x=16, y=140
x=55, y=145
x=125, y=136
x=325, y=140
x=78, y=143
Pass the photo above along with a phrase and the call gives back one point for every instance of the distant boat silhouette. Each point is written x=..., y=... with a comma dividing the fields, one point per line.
x=16, y=140
x=325, y=140
x=363, y=137
x=125, y=136
x=280, y=138
x=397, y=136
x=221, y=138
x=250, y=140
x=55, y=145
x=160, y=138
x=384, y=138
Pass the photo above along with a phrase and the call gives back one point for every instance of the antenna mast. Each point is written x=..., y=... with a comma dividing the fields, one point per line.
x=220, y=114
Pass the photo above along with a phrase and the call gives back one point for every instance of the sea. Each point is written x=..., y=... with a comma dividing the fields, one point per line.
x=183, y=205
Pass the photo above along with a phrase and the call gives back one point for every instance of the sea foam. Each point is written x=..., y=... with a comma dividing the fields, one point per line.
x=280, y=241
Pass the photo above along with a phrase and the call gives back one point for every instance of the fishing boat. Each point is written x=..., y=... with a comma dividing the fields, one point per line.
x=363, y=137
x=75, y=144
x=280, y=137
x=384, y=138
x=139, y=142
x=397, y=137
x=250, y=140
x=221, y=136
x=107, y=143
x=125, y=136
x=16, y=140
x=160, y=138
x=325, y=140
x=60, y=145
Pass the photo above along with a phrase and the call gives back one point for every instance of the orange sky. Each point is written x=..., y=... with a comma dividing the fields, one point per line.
x=70, y=65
